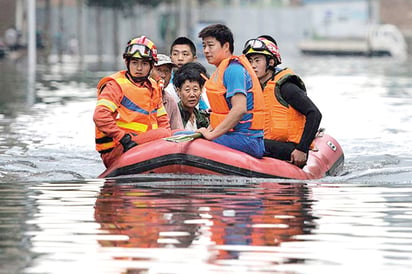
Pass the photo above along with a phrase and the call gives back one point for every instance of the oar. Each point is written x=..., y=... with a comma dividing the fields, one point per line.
x=183, y=138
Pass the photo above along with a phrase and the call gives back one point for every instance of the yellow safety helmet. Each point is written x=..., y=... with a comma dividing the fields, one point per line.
x=263, y=46
x=140, y=47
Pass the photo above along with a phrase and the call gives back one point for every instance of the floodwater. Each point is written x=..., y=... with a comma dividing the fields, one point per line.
x=56, y=217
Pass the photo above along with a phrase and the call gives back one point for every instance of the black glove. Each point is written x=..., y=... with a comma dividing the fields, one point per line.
x=127, y=142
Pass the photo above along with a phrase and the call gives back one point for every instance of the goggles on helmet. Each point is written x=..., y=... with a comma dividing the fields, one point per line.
x=254, y=44
x=138, y=51
x=262, y=46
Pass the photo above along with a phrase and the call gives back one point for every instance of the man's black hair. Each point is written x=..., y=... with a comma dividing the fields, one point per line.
x=184, y=41
x=221, y=32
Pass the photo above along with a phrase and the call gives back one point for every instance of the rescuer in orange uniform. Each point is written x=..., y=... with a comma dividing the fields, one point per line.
x=292, y=119
x=129, y=108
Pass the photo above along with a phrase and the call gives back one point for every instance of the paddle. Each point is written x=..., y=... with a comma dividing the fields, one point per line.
x=183, y=138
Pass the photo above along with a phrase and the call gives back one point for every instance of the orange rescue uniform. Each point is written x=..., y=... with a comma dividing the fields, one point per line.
x=216, y=92
x=124, y=106
x=283, y=123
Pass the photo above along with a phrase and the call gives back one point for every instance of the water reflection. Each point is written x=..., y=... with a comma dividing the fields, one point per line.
x=232, y=219
x=15, y=208
x=217, y=225
x=13, y=93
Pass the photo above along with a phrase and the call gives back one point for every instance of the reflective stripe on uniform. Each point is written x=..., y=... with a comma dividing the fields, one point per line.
x=105, y=146
x=137, y=127
x=132, y=106
x=107, y=103
x=161, y=111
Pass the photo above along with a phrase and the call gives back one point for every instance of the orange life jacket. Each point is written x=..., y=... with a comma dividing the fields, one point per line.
x=283, y=123
x=216, y=91
x=138, y=110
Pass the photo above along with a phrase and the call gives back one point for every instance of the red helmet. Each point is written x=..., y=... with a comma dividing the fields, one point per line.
x=141, y=47
x=263, y=46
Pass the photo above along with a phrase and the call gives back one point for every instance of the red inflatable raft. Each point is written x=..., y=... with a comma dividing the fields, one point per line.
x=200, y=156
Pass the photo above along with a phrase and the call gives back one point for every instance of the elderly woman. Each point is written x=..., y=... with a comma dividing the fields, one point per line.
x=189, y=81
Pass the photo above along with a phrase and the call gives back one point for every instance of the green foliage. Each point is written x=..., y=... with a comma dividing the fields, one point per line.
x=124, y=4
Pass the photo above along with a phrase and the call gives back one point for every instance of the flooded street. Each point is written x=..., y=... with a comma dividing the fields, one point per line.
x=56, y=217
x=46, y=140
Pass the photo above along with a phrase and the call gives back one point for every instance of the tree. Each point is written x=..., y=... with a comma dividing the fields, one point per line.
x=124, y=4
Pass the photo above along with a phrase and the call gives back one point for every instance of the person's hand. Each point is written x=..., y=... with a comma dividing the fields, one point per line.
x=298, y=158
x=127, y=142
x=206, y=133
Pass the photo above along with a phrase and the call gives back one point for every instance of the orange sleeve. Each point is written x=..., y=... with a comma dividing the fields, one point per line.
x=163, y=121
x=104, y=117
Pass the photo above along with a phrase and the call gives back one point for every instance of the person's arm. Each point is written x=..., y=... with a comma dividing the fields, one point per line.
x=162, y=117
x=173, y=111
x=163, y=121
x=236, y=113
x=104, y=113
x=237, y=82
x=298, y=99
